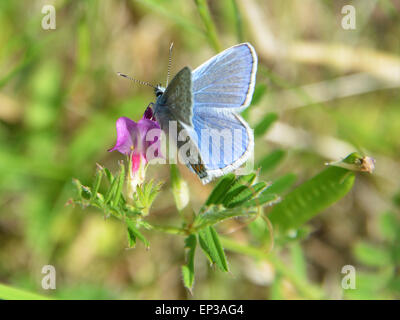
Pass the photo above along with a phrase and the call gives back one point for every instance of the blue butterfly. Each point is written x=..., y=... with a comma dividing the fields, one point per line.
x=205, y=103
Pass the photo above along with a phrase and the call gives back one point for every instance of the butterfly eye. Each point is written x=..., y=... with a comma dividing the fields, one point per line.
x=159, y=90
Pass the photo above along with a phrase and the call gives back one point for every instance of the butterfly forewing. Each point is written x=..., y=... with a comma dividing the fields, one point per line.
x=226, y=80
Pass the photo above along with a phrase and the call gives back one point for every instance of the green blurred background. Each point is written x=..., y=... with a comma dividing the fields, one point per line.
x=333, y=90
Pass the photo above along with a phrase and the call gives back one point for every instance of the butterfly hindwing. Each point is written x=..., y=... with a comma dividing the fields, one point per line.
x=224, y=139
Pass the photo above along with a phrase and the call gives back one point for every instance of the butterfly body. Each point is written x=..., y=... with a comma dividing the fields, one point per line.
x=206, y=102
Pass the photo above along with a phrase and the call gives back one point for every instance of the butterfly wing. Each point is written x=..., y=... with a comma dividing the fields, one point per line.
x=178, y=97
x=176, y=104
x=227, y=80
x=224, y=139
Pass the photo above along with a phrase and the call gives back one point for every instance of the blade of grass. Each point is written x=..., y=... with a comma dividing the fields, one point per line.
x=211, y=32
x=238, y=21
x=178, y=19
x=11, y=293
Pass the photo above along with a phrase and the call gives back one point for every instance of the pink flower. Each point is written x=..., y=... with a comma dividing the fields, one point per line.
x=134, y=140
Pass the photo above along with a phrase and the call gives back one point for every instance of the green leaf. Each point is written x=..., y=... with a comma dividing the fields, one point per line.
x=259, y=91
x=310, y=198
x=97, y=181
x=282, y=184
x=232, y=194
x=389, y=226
x=276, y=289
x=245, y=195
x=371, y=255
x=243, y=180
x=215, y=215
x=146, y=193
x=265, y=124
x=211, y=245
x=220, y=189
x=86, y=192
x=11, y=293
x=155, y=189
x=369, y=285
x=79, y=188
x=111, y=190
x=109, y=175
x=134, y=233
x=188, y=269
x=270, y=161
x=131, y=239
x=265, y=199
x=298, y=260
x=120, y=185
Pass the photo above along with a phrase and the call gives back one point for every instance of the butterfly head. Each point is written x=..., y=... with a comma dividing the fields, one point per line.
x=159, y=90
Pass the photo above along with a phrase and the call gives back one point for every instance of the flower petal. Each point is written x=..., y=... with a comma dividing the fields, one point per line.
x=126, y=135
x=150, y=133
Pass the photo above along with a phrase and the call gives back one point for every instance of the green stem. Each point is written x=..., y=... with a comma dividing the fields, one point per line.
x=169, y=229
x=308, y=290
x=211, y=33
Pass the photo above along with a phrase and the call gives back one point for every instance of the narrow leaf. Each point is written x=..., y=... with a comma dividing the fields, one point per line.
x=220, y=189
x=79, y=189
x=243, y=180
x=282, y=184
x=211, y=245
x=111, y=190
x=97, y=181
x=371, y=255
x=247, y=194
x=188, y=269
x=109, y=175
x=270, y=161
x=265, y=199
x=298, y=260
x=134, y=233
x=233, y=194
x=11, y=293
x=214, y=216
x=259, y=91
x=265, y=124
x=120, y=185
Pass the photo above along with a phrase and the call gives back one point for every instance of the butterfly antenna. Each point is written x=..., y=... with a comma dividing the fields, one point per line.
x=169, y=62
x=136, y=80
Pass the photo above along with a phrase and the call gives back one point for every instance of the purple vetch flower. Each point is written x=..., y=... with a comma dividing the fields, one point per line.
x=136, y=141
